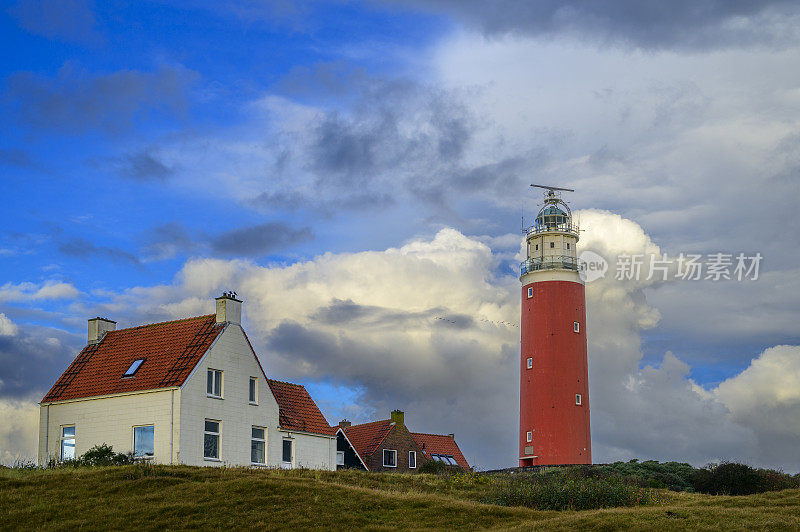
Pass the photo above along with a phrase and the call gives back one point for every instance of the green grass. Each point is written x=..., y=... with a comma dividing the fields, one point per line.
x=177, y=497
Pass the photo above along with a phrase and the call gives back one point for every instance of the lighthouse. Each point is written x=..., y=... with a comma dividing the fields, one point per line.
x=554, y=377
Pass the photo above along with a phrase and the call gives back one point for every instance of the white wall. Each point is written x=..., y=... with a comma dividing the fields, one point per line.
x=110, y=420
x=311, y=451
x=232, y=354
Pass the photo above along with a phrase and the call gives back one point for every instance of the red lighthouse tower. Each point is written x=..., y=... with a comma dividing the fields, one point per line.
x=554, y=380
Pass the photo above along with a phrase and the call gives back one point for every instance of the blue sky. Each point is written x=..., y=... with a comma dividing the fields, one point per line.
x=154, y=154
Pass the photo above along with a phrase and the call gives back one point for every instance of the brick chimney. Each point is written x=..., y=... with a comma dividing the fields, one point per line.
x=229, y=308
x=344, y=423
x=398, y=417
x=98, y=327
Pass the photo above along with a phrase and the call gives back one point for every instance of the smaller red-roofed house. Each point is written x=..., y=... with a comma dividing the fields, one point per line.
x=388, y=445
x=442, y=448
x=188, y=391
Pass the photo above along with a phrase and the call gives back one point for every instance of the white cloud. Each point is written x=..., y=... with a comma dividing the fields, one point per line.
x=7, y=327
x=28, y=291
x=765, y=397
x=19, y=431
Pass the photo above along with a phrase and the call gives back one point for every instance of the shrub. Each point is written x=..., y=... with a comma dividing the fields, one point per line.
x=435, y=467
x=675, y=476
x=731, y=478
x=103, y=455
x=566, y=490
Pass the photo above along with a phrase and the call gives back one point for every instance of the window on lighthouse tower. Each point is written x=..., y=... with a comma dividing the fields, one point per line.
x=530, y=363
x=576, y=326
x=529, y=437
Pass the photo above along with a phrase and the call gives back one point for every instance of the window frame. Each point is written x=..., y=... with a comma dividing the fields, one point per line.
x=211, y=372
x=529, y=436
x=133, y=434
x=130, y=374
x=291, y=451
x=576, y=326
x=529, y=363
x=552, y=245
x=530, y=291
x=578, y=399
x=412, y=454
x=384, y=457
x=262, y=440
x=252, y=391
x=339, y=454
x=218, y=435
x=62, y=439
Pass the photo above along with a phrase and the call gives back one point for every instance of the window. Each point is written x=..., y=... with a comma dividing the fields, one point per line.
x=253, y=397
x=530, y=363
x=412, y=459
x=211, y=440
x=552, y=244
x=444, y=458
x=68, y=443
x=576, y=327
x=530, y=291
x=389, y=458
x=258, y=446
x=577, y=398
x=287, y=451
x=143, y=441
x=339, y=457
x=567, y=245
x=214, y=383
x=529, y=436
x=134, y=368
x=537, y=247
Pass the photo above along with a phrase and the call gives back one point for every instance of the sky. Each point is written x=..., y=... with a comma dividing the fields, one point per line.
x=358, y=172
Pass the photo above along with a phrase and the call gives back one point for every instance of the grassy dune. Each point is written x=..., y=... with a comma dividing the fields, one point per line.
x=164, y=497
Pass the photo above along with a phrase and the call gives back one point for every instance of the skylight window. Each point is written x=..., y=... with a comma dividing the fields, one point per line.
x=134, y=368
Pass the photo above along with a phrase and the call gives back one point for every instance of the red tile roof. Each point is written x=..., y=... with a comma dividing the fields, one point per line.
x=297, y=410
x=170, y=351
x=366, y=438
x=440, y=444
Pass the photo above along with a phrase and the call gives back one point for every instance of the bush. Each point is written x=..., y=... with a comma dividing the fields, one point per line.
x=103, y=455
x=435, y=467
x=568, y=490
x=731, y=478
x=676, y=476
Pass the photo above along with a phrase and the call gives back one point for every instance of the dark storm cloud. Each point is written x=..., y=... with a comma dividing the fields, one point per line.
x=31, y=361
x=144, y=166
x=168, y=240
x=75, y=102
x=652, y=24
x=347, y=312
x=259, y=239
x=14, y=157
x=66, y=20
x=83, y=249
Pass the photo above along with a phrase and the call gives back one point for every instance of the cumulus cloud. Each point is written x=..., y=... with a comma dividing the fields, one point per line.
x=765, y=397
x=19, y=432
x=683, y=25
x=7, y=327
x=430, y=327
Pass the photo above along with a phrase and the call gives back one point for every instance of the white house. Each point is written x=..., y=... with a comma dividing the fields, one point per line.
x=189, y=391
